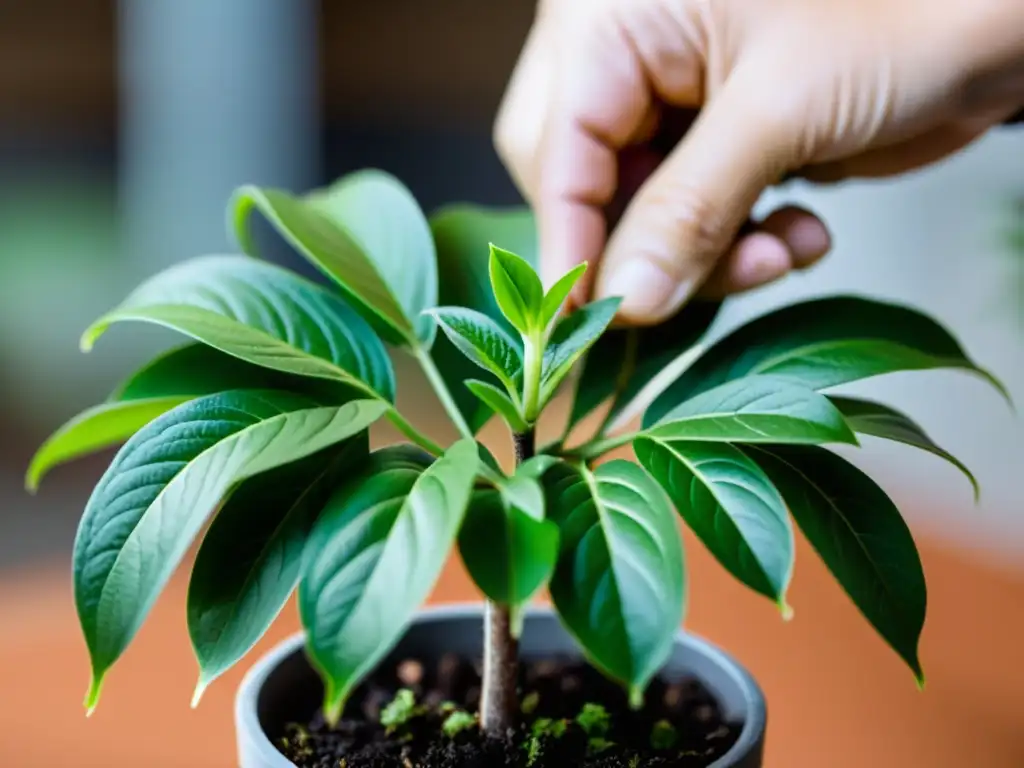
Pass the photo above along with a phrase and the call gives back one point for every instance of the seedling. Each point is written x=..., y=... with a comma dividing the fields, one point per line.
x=261, y=424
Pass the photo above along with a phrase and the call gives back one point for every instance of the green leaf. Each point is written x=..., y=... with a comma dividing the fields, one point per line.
x=383, y=217
x=571, y=338
x=877, y=420
x=523, y=491
x=517, y=289
x=619, y=584
x=756, y=409
x=509, y=554
x=196, y=369
x=822, y=343
x=860, y=535
x=264, y=315
x=483, y=341
x=93, y=430
x=330, y=248
x=498, y=401
x=558, y=293
x=249, y=561
x=164, y=483
x=374, y=556
x=462, y=235
x=624, y=362
x=732, y=506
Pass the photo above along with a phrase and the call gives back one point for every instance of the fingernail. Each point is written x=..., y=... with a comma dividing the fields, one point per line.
x=648, y=293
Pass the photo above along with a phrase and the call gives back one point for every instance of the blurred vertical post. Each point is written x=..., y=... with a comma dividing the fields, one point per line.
x=213, y=94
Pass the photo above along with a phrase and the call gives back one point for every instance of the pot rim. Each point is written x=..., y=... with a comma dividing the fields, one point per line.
x=247, y=697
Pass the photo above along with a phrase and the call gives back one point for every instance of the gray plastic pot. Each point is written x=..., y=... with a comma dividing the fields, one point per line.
x=282, y=687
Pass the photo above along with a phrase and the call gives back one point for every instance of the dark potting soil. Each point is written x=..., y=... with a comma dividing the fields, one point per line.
x=684, y=716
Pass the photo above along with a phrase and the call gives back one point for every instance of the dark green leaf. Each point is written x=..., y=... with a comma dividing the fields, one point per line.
x=517, y=289
x=624, y=362
x=196, y=369
x=164, y=483
x=261, y=314
x=483, y=341
x=498, y=401
x=462, y=235
x=732, y=506
x=619, y=584
x=383, y=217
x=860, y=535
x=250, y=557
x=558, y=293
x=95, y=429
x=509, y=554
x=877, y=420
x=822, y=343
x=572, y=337
x=374, y=556
x=333, y=250
x=756, y=409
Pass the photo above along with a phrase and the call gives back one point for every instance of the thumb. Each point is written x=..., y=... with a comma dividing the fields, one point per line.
x=687, y=214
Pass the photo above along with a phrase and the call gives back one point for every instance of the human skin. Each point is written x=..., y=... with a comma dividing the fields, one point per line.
x=667, y=119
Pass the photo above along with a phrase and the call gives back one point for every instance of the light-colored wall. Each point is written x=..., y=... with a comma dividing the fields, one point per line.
x=934, y=240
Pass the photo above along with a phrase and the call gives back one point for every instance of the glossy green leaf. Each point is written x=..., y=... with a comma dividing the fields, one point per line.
x=163, y=484
x=558, y=293
x=756, y=409
x=331, y=249
x=374, y=556
x=483, y=341
x=625, y=361
x=264, y=315
x=509, y=555
x=732, y=506
x=877, y=420
x=524, y=492
x=619, y=583
x=196, y=369
x=499, y=402
x=822, y=343
x=517, y=289
x=249, y=562
x=382, y=215
x=571, y=338
x=95, y=429
x=859, y=534
x=462, y=235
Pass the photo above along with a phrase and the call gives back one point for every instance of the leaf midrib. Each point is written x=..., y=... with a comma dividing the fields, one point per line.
x=840, y=514
x=718, y=502
x=233, y=438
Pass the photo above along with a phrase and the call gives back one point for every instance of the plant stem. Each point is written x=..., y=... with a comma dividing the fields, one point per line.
x=444, y=395
x=500, y=697
x=532, y=368
x=500, y=702
x=413, y=434
x=597, y=448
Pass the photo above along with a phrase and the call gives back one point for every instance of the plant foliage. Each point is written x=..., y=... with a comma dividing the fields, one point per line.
x=256, y=431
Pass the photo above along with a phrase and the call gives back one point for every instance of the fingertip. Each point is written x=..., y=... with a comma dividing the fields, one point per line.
x=756, y=260
x=805, y=234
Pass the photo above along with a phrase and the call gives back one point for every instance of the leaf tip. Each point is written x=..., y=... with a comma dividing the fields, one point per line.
x=201, y=687
x=785, y=609
x=636, y=698
x=919, y=679
x=92, y=698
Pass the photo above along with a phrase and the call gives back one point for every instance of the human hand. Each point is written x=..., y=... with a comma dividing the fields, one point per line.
x=824, y=89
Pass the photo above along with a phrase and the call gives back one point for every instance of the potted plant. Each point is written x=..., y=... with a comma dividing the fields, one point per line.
x=258, y=429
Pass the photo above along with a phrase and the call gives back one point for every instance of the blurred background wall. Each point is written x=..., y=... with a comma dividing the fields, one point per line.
x=125, y=125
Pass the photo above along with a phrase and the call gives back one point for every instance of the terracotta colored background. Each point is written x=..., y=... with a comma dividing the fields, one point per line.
x=837, y=696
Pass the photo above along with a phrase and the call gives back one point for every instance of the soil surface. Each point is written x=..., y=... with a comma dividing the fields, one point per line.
x=560, y=726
